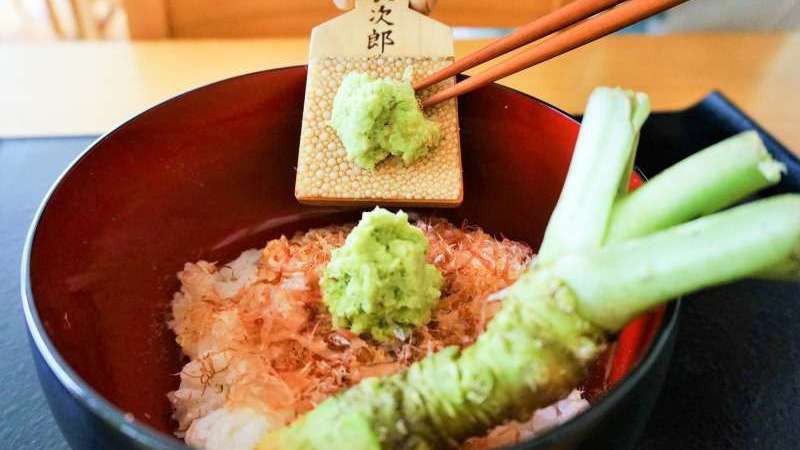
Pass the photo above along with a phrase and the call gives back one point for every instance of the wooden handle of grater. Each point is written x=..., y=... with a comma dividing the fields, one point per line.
x=388, y=28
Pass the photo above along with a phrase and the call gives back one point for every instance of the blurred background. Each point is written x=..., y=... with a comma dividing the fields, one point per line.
x=157, y=19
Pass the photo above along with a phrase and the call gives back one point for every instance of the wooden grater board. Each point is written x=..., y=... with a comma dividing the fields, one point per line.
x=358, y=41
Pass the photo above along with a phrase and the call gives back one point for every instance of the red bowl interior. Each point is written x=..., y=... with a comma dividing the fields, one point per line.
x=209, y=174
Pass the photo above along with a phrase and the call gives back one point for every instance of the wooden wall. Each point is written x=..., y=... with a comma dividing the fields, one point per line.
x=150, y=19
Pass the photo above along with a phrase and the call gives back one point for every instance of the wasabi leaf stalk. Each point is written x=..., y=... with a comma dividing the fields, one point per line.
x=708, y=181
x=600, y=164
x=788, y=270
x=638, y=119
x=621, y=280
x=595, y=272
x=550, y=327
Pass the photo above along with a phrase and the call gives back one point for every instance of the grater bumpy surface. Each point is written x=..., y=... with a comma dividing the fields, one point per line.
x=326, y=175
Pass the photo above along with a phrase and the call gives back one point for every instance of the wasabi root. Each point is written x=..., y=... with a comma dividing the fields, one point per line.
x=552, y=324
x=556, y=317
x=378, y=117
x=533, y=353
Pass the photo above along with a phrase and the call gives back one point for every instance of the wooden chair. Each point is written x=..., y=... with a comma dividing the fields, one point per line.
x=83, y=19
x=156, y=19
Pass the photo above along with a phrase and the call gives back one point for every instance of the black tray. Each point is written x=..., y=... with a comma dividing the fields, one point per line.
x=734, y=381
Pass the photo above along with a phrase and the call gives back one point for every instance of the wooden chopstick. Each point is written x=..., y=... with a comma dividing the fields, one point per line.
x=584, y=32
x=539, y=28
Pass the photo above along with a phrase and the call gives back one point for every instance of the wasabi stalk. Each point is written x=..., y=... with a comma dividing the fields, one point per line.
x=784, y=271
x=621, y=280
x=701, y=184
x=549, y=329
x=639, y=117
x=601, y=163
x=555, y=317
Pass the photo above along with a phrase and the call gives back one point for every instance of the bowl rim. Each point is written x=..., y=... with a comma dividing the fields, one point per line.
x=144, y=434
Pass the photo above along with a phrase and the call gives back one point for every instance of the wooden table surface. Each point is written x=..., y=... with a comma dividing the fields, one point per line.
x=81, y=88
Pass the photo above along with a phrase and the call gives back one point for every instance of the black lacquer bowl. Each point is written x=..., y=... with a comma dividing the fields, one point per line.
x=210, y=173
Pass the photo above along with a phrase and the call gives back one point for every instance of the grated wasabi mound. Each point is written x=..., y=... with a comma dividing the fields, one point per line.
x=376, y=117
x=380, y=283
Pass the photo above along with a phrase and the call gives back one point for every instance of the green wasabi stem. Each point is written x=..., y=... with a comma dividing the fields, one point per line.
x=532, y=354
x=376, y=117
x=600, y=165
x=554, y=318
x=639, y=117
x=550, y=327
x=379, y=282
x=784, y=271
x=701, y=184
x=621, y=280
